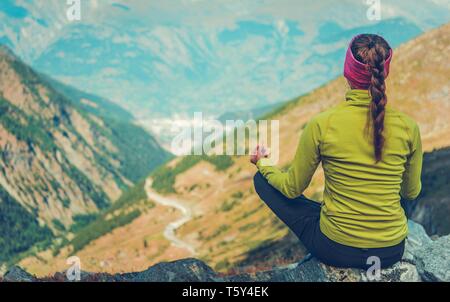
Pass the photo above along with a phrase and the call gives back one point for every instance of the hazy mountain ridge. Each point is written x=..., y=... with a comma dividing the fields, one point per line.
x=57, y=160
x=207, y=69
x=90, y=102
x=247, y=55
x=244, y=57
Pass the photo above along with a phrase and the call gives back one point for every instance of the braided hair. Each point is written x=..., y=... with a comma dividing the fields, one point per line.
x=373, y=50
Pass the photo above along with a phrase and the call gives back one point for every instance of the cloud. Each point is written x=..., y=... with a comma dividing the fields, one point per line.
x=122, y=39
x=211, y=53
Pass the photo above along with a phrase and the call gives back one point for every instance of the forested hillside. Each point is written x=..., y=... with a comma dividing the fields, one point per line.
x=61, y=156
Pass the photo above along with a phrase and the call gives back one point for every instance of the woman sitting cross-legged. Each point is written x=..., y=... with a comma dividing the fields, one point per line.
x=371, y=155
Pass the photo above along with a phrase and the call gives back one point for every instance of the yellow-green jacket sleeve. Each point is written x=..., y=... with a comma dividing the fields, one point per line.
x=411, y=184
x=293, y=182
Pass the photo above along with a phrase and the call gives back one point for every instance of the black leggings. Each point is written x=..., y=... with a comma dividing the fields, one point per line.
x=302, y=216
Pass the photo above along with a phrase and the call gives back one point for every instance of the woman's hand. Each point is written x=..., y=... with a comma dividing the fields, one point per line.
x=258, y=153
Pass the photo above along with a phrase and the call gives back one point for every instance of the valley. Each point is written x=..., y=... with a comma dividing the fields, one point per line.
x=172, y=227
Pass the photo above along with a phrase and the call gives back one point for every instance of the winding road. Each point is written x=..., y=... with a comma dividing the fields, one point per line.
x=169, y=231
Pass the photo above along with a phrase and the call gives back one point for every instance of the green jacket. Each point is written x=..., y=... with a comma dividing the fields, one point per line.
x=361, y=202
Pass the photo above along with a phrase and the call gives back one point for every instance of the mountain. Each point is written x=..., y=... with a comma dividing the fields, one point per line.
x=59, y=160
x=207, y=71
x=195, y=56
x=226, y=224
x=423, y=260
x=246, y=115
x=90, y=102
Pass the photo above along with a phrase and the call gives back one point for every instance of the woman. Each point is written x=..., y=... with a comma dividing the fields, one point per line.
x=371, y=156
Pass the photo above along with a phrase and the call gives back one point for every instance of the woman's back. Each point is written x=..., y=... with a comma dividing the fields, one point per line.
x=361, y=197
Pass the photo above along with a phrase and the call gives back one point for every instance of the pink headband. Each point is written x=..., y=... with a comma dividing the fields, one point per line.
x=358, y=73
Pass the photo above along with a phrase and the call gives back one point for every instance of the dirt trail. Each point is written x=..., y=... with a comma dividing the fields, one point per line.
x=169, y=231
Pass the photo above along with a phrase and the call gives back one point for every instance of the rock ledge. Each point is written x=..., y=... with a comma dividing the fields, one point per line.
x=424, y=260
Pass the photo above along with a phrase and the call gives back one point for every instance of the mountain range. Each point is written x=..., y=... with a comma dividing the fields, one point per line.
x=184, y=56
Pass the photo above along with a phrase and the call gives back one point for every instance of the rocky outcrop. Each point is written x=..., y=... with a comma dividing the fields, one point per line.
x=424, y=260
x=433, y=260
x=16, y=274
x=433, y=206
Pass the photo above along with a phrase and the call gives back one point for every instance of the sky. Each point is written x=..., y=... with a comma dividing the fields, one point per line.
x=163, y=59
x=44, y=20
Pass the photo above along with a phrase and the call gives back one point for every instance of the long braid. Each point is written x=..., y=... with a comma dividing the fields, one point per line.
x=377, y=90
x=374, y=50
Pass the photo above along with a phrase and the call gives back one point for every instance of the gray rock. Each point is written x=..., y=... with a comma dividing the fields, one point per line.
x=84, y=277
x=417, y=238
x=433, y=260
x=309, y=271
x=424, y=260
x=186, y=270
x=399, y=272
x=335, y=274
x=17, y=274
